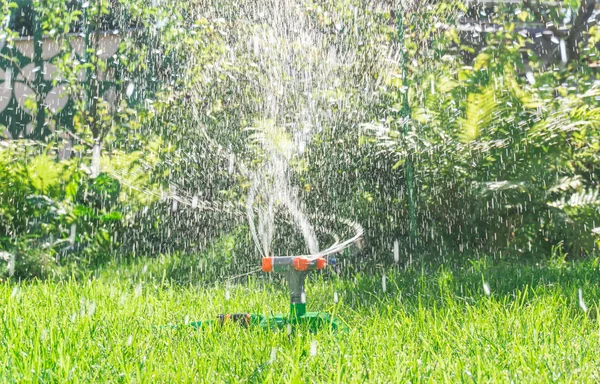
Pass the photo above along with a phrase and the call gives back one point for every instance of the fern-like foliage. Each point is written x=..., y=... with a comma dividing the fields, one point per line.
x=567, y=183
x=480, y=111
x=579, y=199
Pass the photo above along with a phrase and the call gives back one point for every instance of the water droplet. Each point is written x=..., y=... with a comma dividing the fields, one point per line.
x=161, y=23
x=73, y=234
x=313, y=348
x=130, y=89
x=231, y=163
x=563, y=51
x=96, y=155
x=486, y=289
x=301, y=147
x=581, y=302
x=530, y=78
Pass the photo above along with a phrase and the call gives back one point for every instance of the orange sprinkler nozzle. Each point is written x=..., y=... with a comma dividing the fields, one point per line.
x=321, y=263
x=267, y=264
x=301, y=263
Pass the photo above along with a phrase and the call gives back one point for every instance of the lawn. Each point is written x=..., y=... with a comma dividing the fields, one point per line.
x=521, y=323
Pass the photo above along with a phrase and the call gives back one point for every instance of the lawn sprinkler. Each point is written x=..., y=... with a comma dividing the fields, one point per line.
x=296, y=268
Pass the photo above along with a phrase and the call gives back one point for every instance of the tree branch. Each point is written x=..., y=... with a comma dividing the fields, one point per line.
x=73, y=135
x=586, y=9
x=538, y=14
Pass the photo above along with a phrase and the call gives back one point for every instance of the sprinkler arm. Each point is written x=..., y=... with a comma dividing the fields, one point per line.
x=292, y=263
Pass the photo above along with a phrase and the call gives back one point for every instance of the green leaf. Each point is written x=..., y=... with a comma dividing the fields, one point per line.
x=398, y=164
x=479, y=113
x=44, y=172
x=111, y=216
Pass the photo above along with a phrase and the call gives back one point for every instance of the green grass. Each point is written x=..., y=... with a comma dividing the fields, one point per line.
x=428, y=326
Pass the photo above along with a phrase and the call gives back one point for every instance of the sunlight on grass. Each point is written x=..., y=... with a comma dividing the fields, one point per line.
x=524, y=324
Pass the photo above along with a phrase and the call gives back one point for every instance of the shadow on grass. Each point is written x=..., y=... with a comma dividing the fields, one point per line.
x=436, y=285
x=424, y=285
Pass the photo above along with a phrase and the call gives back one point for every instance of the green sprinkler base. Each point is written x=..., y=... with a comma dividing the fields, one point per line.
x=311, y=321
x=296, y=268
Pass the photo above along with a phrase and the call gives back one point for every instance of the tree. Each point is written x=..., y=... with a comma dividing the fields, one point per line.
x=571, y=27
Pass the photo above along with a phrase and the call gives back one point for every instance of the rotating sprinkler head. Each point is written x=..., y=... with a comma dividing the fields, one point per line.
x=292, y=263
x=296, y=268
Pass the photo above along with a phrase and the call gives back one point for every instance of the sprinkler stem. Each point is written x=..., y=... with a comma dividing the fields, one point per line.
x=296, y=281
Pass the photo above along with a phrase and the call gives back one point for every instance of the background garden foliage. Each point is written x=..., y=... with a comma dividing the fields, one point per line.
x=505, y=140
